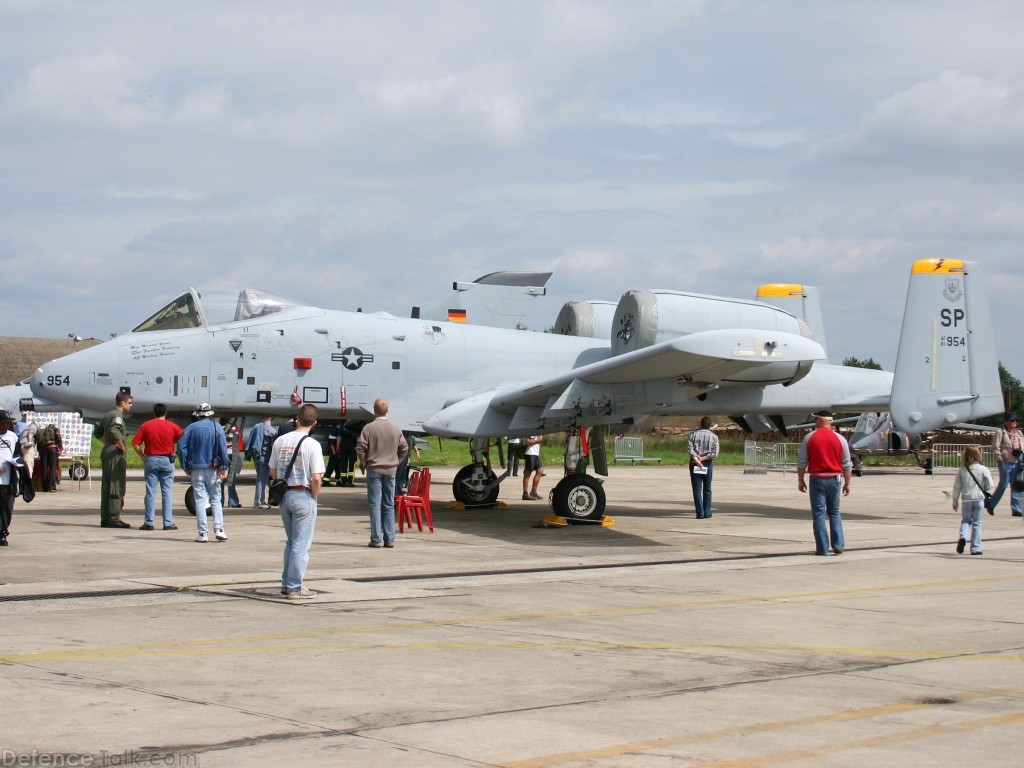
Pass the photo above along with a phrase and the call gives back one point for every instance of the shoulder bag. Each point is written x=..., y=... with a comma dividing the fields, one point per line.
x=278, y=488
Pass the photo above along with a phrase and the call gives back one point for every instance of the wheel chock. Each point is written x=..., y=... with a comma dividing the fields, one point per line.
x=605, y=520
x=552, y=521
x=461, y=505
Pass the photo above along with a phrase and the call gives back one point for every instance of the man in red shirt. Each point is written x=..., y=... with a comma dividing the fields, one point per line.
x=155, y=442
x=825, y=455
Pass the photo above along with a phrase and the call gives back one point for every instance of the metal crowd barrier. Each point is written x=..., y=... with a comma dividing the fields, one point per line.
x=949, y=455
x=761, y=457
x=631, y=449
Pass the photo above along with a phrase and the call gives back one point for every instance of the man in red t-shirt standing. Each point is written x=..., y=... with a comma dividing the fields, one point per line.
x=825, y=455
x=155, y=442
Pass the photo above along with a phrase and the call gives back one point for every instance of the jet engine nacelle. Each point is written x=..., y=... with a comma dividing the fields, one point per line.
x=643, y=318
x=589, y=319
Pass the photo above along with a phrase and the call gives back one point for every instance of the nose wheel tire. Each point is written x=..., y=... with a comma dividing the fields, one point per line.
x=579, y=497
x=190, y=502
x=470, y=486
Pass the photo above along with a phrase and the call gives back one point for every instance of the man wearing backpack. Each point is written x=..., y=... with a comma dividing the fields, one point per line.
x=258, y=447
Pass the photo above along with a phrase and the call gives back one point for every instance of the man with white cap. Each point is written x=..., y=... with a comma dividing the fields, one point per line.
x=203, y=451
x=825, y=455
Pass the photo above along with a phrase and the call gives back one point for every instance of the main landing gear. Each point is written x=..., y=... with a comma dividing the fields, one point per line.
x=577, y=497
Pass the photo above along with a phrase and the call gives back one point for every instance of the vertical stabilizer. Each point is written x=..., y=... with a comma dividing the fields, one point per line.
x=946, y=369
x=802, y=301
x=500, y=299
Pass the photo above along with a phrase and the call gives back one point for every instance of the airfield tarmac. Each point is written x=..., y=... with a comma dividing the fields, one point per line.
x=662, y=640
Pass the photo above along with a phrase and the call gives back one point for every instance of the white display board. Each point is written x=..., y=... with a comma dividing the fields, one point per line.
x=74, y=431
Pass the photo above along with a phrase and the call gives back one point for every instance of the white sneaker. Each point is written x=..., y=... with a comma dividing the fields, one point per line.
x=301, y=594
x=221, y=536
x=201, y=538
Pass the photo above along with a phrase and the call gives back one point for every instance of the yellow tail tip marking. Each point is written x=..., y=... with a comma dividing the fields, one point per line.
x=780, y=289
x=937, y=266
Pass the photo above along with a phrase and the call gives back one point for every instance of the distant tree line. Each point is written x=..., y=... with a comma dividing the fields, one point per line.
x=855, y=362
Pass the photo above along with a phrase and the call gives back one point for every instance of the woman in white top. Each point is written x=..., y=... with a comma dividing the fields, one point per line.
x=973, y=482
x=8, y=469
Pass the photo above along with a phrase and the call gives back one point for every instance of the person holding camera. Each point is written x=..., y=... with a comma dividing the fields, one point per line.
x=1009, y=443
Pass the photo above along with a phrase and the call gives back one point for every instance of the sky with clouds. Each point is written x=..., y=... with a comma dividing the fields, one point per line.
x=358, y=153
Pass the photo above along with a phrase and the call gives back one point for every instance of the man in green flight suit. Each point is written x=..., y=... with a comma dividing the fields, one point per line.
x=114, y=433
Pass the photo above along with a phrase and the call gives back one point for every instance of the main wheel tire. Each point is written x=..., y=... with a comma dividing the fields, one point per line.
x=470, y=486
x=78, y=470
x=579, y=497
x=190, y=502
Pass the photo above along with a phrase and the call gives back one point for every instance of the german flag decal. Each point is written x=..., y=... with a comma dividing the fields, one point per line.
x=456, y=315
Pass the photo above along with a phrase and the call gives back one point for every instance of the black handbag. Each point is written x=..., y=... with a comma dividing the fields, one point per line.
x=278, y=488
x=988, y=496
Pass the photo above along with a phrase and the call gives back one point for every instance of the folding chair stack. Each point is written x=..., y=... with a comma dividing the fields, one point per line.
x=416, y=501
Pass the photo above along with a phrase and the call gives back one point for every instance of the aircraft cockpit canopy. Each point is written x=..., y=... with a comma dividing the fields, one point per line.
x=215, y=307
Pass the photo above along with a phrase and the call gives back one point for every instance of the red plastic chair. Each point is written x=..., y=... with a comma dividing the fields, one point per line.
x=416, y=501
x=403, y=513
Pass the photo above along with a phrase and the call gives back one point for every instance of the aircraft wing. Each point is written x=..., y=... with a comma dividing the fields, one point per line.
x=699, y=360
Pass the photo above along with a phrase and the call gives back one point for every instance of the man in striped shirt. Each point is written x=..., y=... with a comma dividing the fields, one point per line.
x=825, y=455
x=703, y=448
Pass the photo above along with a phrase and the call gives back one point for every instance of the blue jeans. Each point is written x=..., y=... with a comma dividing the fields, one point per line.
x=380, y=493
x=228, y=486
x=1006, y=470
x=159, y=471
x=206, y=490
x=232, y=494
x=262, y=481
x=298, y=513
x=825, y=493
x=701, y=485
x=970, y=523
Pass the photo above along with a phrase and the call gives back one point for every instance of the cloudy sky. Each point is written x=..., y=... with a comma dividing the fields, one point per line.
x=367, y=153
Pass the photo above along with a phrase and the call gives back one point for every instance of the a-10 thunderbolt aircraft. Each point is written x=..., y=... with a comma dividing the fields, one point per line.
x=658, y=352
